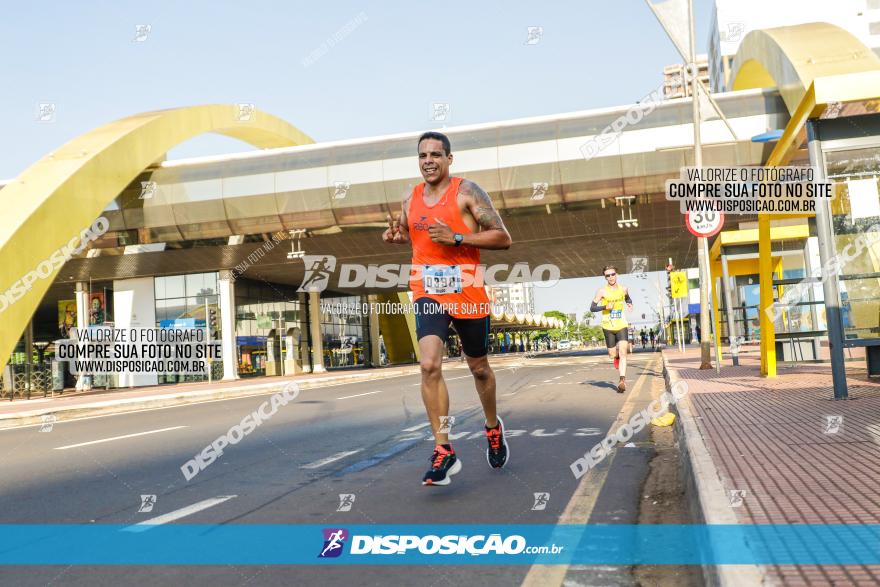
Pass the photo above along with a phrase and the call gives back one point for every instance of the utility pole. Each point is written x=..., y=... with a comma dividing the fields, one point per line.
x=662, y=313
x=702, y=242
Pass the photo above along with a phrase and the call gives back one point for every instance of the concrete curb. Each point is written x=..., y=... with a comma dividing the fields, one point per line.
x=181, y=398
x=707, y=500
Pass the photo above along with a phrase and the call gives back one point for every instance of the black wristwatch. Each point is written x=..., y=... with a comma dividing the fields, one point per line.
x=458, y=238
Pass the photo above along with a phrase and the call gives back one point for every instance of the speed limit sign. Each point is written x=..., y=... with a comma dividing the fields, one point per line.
x=704, y=223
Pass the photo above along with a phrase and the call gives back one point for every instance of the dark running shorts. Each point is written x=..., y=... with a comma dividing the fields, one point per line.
x=612, y=337
x=431, y=319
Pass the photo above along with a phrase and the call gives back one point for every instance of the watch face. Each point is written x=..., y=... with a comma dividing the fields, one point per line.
x=458, y=238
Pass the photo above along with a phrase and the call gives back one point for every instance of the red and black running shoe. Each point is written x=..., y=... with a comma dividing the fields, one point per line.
x=617, y=362
x=498, y=452
x=444, y=464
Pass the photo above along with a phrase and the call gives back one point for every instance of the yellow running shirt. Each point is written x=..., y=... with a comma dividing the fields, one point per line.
x=613, y=320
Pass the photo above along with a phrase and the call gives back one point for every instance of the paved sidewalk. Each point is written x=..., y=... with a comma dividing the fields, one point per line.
x=782, y=442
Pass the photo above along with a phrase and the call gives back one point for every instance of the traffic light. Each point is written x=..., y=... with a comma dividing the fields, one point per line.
x=213, y=325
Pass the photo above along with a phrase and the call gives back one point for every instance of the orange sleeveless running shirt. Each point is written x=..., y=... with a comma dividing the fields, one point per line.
x=442, y=263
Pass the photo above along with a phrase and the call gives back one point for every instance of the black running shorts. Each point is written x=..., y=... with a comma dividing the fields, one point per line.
x=473, y=332
x=612, y=337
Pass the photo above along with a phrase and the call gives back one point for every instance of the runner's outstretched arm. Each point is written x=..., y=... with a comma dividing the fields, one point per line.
x=493, y=234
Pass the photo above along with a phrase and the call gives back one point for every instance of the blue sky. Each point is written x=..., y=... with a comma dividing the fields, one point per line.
x=381, y=78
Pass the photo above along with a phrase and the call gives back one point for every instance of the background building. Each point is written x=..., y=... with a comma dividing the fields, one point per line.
x=518, y=298
x=677, y=85
x=732, y=20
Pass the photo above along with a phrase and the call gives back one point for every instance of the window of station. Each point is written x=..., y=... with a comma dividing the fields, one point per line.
x=189, y=301
x=855, y=209
x=263, y=315
x=345, y=332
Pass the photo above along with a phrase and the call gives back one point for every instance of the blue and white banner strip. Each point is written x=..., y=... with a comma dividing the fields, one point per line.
x=183, y=544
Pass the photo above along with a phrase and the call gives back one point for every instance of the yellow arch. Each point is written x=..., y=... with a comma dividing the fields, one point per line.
x=62, y=193
x=786, y=58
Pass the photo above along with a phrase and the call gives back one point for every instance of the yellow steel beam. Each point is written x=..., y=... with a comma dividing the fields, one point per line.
x=57, y=197
x=765, y=273
x=715, y=273
x=749, y=236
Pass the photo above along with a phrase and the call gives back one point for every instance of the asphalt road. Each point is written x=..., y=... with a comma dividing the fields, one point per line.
x=369, y=439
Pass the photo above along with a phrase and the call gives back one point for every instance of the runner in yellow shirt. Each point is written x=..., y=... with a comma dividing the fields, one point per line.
x=610, y=300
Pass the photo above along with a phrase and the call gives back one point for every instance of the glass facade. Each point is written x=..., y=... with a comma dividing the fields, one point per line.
x=856, y=207
x=263, y=313
x=189, y=301
x=346, y=337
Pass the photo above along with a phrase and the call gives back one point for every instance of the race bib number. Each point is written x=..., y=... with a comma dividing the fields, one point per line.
x=616, y=314
x=442, y=279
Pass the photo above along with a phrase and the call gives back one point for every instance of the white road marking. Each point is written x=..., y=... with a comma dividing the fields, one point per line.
x=450, y=379
x=360, y=394
x=560, y=377
x=470, y=376
x=117, y=438
x=330, y=459
x=547, y=381
x=177, y=514
x=416, y=427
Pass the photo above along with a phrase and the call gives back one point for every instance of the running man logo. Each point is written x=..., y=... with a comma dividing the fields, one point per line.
x=446, y=423
x=147, y=503
x=541, y=500
x=318, y=270
x=534, y=35
x=440, y=111
x=734, y=31
x=833, y=424
x=46, y=112
x=342, y=188
x=148, y=190
x=539, y=189
x=245, y=111
x=638, y=265
x=346, y=500
x=141, y=32
x=737, y=497
x=334, y=542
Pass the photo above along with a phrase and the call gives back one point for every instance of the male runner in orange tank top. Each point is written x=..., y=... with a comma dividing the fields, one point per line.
x=448, y=220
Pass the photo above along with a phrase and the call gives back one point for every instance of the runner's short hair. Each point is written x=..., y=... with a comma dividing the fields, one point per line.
x=437, y=136
x=607, y=267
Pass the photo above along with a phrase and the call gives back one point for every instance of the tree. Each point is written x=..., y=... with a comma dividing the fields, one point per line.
x=556, y=333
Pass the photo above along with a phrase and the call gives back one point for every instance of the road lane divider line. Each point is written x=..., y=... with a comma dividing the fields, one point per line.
x=582, y=502
x=468, y=376
x=330, y=459
x=177, y=514
x=360, y=394
x=416, y=427
x=118, y=437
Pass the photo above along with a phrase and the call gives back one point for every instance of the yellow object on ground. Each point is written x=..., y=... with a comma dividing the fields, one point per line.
x=665, y=420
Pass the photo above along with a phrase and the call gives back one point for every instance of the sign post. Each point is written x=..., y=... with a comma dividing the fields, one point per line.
x=679, y=289
x=704, y=225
